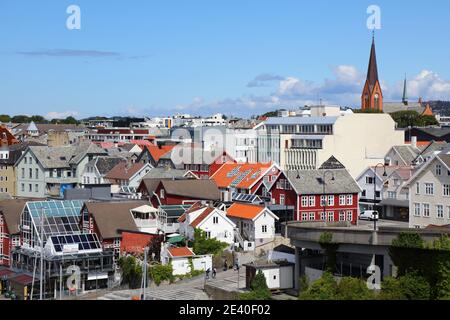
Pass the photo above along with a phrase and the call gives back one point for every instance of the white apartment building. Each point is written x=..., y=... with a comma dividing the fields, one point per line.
x=304, y=143
x=429, y=193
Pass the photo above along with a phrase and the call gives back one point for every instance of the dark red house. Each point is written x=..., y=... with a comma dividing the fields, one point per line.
x=10, y=212
x=176, y=192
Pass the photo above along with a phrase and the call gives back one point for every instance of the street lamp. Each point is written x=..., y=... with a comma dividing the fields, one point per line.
x=386, y=163
x=324, y=204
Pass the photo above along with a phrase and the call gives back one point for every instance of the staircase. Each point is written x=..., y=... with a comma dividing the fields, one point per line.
x=238, y=237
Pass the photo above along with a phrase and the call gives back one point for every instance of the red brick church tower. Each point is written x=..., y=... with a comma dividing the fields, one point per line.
x=372, y=96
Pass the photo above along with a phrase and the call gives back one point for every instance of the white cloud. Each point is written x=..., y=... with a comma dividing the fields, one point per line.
x=61, y=115
x=429, y=85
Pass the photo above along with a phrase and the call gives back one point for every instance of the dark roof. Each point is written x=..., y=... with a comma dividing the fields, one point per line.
x=106, y=164
x=111, y=217
x=193, y=189
x=332, y=164
x=16, y=150
x=164, y=173
x=311, y=182
x=12, y=210
x=445, y=158
x=372, y=71
x=264, y=264
x=284, y=248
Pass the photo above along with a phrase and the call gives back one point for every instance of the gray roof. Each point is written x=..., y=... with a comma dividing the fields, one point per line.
x=164, y=173
x=433, y=148
x=106, y=164
x=310, y=182
x=301, y=120
x=192, y=189
x=407, y=153
x=64, y=157
x=391, y=107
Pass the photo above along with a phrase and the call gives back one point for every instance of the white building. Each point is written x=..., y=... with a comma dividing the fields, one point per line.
x=183, y=260
x=255, y=223
x=304, y=143
x=213, y=221
x=429, y=193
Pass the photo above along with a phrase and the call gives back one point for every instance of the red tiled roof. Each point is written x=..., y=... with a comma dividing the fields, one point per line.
x=124, y=170
x=244, y=211
x=255, y=171
x=202, y=217
x=6, y=138
x=196, y=206
x=181, y=252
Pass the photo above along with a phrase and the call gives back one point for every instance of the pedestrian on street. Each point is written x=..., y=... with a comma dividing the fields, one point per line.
x=214, y=273
x=225, y=265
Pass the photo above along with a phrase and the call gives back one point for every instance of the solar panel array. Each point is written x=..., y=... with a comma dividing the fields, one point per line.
x=60, y=217
x=128, y=190
x=233, y=172
x=55, y=208
x=240, y=178
x=85, y=242
x=256, y=174
x=250, y=198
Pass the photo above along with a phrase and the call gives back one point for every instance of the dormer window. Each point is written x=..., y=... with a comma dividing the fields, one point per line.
x=161, y=194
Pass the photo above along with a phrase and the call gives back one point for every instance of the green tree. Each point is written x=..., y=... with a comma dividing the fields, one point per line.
x=5, y=118
x=38, y=119
x=20, y=119
x=353, y=289
x=324, y=288
x=70, y=120
x=131, y=271
x=259, y=289
x=204, y=245
x=425, y=121
x=411, y=286
x=159, y=273
x=330, y=248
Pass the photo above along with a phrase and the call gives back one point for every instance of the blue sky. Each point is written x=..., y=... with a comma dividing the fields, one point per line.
x=200, y=57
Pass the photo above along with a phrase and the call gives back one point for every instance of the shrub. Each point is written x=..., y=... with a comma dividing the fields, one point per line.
x=353, y=289
x=159, y=273
x=324, y=288
x=259, y=289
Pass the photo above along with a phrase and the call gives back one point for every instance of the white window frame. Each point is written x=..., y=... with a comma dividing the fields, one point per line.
x=439, y=211
x=342, y=200
x=312, y=201
x=426, y=210
x=417, y=209
x=305, y=201
x=349, y=200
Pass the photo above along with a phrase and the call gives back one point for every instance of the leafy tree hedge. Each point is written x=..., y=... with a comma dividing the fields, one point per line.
x=204, y=245
x=259, y=289
x=131, y=271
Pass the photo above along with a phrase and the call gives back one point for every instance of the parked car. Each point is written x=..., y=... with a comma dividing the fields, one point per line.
x=369, y=215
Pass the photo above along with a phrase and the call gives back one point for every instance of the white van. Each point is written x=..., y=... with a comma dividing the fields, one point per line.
x=369, y=215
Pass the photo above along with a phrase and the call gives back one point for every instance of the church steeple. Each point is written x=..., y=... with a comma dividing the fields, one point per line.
x=372, y=96
x=405, y=93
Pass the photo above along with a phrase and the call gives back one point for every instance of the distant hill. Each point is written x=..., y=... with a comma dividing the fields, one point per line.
x=440, y=107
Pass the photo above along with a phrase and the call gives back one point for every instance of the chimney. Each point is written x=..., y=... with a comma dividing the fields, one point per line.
x=210, y=204
x=414, y=142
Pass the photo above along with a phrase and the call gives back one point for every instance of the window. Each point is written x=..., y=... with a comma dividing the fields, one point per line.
x=36, y=174
x=440, y=211
x=417, y=209
x=304, y=216
x=36, y=188
x=349, y=199
x=208, y=234
x=30, y=171
x=312, y=201
x=426, y=210
x=264, y=229
x=215, y=220
x=438, y=169
x=341, y=216
x=23, y=173
x=448, y=212
x=25, y=160
x=282, y=199
x=446, y=190
x=30, y=187
x=349, y=216
x=417, y=188
x=161, y=194
x=369, y=180
x=323, y=216
x=429, y=189
x=304, y=202
x=323, y=200
x=342, y=199
x=22, y=187
x=391, y=195
x=331, y=201
x=330, y=216
x=312, y=216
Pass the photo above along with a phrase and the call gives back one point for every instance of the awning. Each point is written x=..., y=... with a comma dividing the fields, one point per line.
x=176, y=239
x=97, y=276
x=395, y=203
x=145, y=209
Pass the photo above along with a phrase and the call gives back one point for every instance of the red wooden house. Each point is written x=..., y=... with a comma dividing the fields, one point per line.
x=10, y=212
